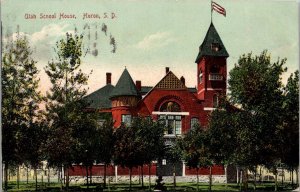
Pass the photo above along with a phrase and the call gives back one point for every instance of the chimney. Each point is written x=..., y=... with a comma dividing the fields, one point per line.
x=138, y=85
x=108, y=78
x=167, y=70
x=182, y=79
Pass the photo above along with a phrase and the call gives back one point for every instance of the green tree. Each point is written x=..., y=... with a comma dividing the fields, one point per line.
x=173, y=155
x=65, y=101
x=34, y=136
x=128, y=148
x=195, y=150
x=105, y=145
x=255, y=86
x=290, y=132
x=19, y=88
x=150, y=133
x=85, y=134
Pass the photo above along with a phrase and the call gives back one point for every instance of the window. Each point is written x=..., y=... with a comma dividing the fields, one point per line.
x=194, y=122
x=126, y=119
x=170, y=107
x=215, y=101
x=173, y=123
x=200, y=76
x=215, y=47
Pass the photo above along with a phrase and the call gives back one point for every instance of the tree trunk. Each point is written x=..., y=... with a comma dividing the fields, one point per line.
x=27, y=174
x=197, y=178
x=130, y=170
x=5, y=175
x=210, y=178
x=42, y=185
x=18, y=177
x=297, y=177
x=149, y=170
x=66, y=171
x=255, y=179
x=276, y=187
x=91, y=175
x=292, y=177
x=104, y=177
x=142, y=172
x=36, y=182
x=282, y=172
x=87, y=176
x=245, y=179
x=48, y=176
x=241, y=179
x=174, y=176
x=260, y=176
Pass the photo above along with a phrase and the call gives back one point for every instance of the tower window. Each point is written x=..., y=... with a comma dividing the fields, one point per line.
x=215, y=47
x=200, y=76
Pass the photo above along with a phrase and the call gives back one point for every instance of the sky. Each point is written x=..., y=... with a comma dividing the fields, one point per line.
x=153, y=34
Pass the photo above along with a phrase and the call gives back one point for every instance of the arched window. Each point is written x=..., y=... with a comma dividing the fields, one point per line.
x=215, y=101
x=170, y=106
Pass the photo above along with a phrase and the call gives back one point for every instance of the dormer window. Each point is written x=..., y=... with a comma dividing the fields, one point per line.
x=215, y=47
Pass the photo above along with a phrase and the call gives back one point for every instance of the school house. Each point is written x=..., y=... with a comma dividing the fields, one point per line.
x=169, y=99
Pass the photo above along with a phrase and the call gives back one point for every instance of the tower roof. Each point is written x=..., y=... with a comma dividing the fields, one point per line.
x=125, y=86
x=212, y=45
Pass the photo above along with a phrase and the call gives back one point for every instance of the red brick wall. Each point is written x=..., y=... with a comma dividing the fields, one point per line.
x=137, y=171
x=216, y=170
x=97, y=170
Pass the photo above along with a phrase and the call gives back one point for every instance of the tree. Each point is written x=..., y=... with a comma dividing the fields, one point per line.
x=127, y=148
x=65, y=100
x=150, y=133
x=85, y=134
x=173, y=155
x=19, y=85
x=34, y=136
x=290, y=131
x=255, y=86
x=105, y=145
x=195, y=150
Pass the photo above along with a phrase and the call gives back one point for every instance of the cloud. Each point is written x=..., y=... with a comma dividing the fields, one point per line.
x=156, y=40
x=48, y=32
x=43, y=41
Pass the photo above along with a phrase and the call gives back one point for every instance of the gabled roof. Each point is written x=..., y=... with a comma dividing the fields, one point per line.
x=100, y=98
x=125, y=86
x=170, y=81
x=212, y=37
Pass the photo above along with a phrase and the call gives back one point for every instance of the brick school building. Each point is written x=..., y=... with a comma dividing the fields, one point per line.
x=170, y=99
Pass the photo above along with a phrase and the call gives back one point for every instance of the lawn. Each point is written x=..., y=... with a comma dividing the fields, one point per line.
x=186, y=187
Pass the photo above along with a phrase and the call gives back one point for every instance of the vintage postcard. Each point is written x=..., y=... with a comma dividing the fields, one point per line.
x=147, y=93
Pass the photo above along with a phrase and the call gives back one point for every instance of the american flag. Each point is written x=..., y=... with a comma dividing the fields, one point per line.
x=218, y=8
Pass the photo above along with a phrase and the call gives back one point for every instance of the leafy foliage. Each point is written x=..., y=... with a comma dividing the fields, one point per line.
x=20, y=100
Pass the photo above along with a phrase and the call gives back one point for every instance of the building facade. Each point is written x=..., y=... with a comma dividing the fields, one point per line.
x=170, y=99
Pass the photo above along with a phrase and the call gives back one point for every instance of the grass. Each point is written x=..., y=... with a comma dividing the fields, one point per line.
x=122, y=187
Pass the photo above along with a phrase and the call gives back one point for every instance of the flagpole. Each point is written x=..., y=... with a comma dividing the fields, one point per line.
x=211, y=10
